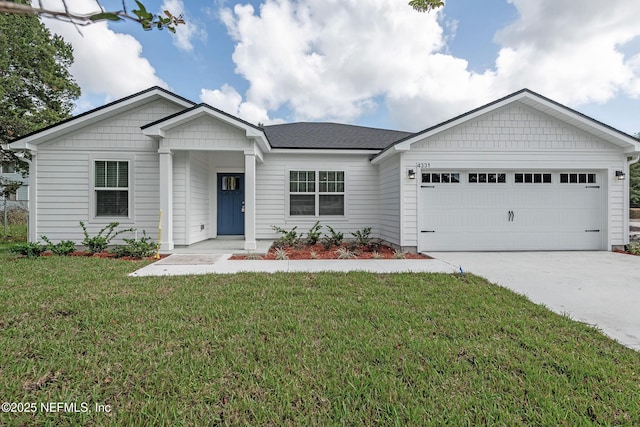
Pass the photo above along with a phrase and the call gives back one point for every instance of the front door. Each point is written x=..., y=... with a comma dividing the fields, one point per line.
x=230, y=204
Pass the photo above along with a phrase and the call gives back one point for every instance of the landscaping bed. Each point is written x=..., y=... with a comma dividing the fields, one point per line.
x=343, y=251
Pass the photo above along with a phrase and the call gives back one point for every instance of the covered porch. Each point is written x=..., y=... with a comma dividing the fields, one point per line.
x=207, y=180
x=222, y=245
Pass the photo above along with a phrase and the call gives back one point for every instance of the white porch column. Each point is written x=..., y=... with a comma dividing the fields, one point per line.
x=166, y=198
x=249, y=200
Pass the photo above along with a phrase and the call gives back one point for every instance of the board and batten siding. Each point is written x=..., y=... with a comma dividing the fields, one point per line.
x=199, y=200
x=63, y=173
x=272, y=191
x=515, y=137
x=180, y=196
x=389, y=200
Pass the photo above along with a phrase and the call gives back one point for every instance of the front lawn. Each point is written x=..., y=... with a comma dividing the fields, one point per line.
x=297, y=349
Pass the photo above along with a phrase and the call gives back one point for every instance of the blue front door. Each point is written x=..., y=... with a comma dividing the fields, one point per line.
x=230, y=204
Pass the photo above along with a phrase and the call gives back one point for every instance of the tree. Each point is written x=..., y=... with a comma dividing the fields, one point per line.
x=425, y=5
x=36, y=88
x=140, y=15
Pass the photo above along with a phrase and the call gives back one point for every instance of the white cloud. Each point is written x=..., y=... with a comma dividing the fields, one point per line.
x=186, y=32
x=106, y=62
x=229, y=100
x=329, y=60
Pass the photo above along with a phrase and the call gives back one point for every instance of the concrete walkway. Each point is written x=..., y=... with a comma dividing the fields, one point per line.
x=182, y=264
x=598, y=288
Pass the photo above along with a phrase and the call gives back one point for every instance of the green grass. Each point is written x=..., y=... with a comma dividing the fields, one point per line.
x=298, y=349
x=15, y=233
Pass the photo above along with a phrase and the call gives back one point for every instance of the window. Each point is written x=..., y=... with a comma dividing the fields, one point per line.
x=577, y=178
x=487, y=178
x=7, y=168
x=324, y=196
x=532, y=178
x=111, y=188
x=444, y=178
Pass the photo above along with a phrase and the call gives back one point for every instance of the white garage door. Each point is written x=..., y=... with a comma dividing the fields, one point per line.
x=510, y=210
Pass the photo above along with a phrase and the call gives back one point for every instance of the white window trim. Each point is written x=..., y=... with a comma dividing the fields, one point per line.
x=316, y=193
x=117, y=157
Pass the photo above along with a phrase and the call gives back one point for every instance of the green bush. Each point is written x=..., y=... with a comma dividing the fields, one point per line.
x=362, y=236
x=137, y=248
x=334, y=238
x=100, y=241
x=289, y=237
x=29, y=249
x=634, y=248
x=314, y=234
x=62, y=248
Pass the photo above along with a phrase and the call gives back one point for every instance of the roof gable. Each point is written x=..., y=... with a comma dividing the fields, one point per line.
x=111, y=109
x=530, y=99
x=158, y=128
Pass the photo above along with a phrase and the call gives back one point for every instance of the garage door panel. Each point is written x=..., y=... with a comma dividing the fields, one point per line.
x=511, y=216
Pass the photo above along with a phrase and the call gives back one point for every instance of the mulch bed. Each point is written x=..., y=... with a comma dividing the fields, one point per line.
x=319, y=252
x=106, y=255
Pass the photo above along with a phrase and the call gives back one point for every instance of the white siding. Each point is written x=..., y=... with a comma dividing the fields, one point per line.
x=272, y=183
x=199, y=200
x=206, y=133
x=515, y=137
x=64, y=181
x=180, y=197
x=389, y=200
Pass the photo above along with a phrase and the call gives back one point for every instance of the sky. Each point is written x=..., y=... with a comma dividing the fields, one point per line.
x=373, y=63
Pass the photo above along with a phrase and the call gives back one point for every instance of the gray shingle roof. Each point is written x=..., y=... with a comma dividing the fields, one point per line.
x=330, y=136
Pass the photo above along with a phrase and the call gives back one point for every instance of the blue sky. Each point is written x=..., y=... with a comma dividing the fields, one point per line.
x=369, y=62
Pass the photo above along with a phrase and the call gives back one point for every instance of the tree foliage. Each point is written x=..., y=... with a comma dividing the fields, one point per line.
x=140, y=14
x=425, y=5
x=36, y=87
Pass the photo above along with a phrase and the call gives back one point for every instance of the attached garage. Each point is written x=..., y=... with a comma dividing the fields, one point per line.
x=511, y=210
x=521, y=173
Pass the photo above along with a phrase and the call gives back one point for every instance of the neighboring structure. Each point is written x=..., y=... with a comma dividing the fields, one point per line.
x=521, y=173
x=20, y=199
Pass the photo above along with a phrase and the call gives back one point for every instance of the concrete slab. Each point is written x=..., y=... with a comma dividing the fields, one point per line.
x=223, y=265
x=598, y=288
x=190, y=259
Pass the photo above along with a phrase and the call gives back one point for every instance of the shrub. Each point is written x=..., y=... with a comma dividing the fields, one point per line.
x=344, y=253
x=289, y=237
x=398, y=254
x=281, y=254
x=100, y=241
x=62, y=248
x=634, y=248
x=137, y=248
x=362, y=236
x=334, y=238
x=376, y=255
x=253, y=256
x=29, y=249
x=314, y=233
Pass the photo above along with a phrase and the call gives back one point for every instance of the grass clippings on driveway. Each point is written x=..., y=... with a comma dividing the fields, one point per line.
x=298, y=349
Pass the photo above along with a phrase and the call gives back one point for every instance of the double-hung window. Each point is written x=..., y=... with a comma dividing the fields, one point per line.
x=316, y=193
x=111, y=186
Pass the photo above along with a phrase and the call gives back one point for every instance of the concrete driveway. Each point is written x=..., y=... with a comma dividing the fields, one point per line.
x=598, y=288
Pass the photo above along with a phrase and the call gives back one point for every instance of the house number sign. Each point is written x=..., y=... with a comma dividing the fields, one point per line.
x=423, y=165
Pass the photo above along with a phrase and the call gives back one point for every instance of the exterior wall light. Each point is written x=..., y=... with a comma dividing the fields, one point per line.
x=411, y=173
x=620, y=175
